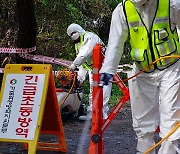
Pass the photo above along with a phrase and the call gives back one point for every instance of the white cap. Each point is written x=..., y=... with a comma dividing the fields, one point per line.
x=74, y=31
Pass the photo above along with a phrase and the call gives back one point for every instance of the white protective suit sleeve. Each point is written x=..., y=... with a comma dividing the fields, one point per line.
x=85, y=51
x=119, y=32
x=117, y=37
x=175, y=13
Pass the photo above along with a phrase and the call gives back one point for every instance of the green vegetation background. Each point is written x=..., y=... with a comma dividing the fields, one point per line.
x=53, y=18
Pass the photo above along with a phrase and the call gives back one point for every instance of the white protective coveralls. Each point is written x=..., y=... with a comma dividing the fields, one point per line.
x=148, y=88
x=85, y=55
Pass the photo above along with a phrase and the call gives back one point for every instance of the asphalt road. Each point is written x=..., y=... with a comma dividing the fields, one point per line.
x=119, y=137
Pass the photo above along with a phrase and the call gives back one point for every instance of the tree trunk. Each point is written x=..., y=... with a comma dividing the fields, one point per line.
x=27, y=27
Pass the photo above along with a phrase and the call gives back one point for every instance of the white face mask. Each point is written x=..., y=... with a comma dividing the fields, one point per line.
x=75, y=36
x=139, y=2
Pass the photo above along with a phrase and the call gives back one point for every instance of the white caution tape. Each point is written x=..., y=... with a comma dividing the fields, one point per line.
x=1, y=70
x=23, y=52
x=45, y=59
x=125, y=65
x=17, y=50
x=40, y=58
x=121, y=68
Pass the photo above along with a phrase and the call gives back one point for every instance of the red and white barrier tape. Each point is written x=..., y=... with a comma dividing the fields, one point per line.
x=1, y=70
x=41, y=58
x=65, y=63
x=122, y=69
x=17, y=50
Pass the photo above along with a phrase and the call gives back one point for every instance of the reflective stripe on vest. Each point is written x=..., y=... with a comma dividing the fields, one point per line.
x=159, y=42
x=85, y=64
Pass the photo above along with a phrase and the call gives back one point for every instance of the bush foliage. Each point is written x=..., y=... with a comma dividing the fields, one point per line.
x=53, y=18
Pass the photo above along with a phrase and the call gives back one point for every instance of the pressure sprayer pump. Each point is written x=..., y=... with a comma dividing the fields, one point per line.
x=65, y=79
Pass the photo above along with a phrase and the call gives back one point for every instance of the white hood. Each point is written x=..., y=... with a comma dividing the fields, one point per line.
x=139, y=2
x=74, y=31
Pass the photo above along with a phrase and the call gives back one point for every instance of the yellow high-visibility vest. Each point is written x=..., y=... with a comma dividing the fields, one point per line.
x=160, y=41
x=86, y=65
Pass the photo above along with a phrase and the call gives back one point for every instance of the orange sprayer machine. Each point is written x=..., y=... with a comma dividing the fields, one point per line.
x=70, y=93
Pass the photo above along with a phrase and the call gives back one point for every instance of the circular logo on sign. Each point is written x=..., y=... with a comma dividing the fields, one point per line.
x=13, y=81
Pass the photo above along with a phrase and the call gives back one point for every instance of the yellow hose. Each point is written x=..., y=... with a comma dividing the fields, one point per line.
x=163, y=139
x=64, y=99
x=146, y=68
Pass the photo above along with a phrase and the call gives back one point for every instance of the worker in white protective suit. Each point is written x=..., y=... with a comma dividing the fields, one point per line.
x=84, y=44
x=152, y=28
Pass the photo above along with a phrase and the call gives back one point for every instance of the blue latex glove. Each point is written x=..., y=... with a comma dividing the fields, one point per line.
x=105, y=77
